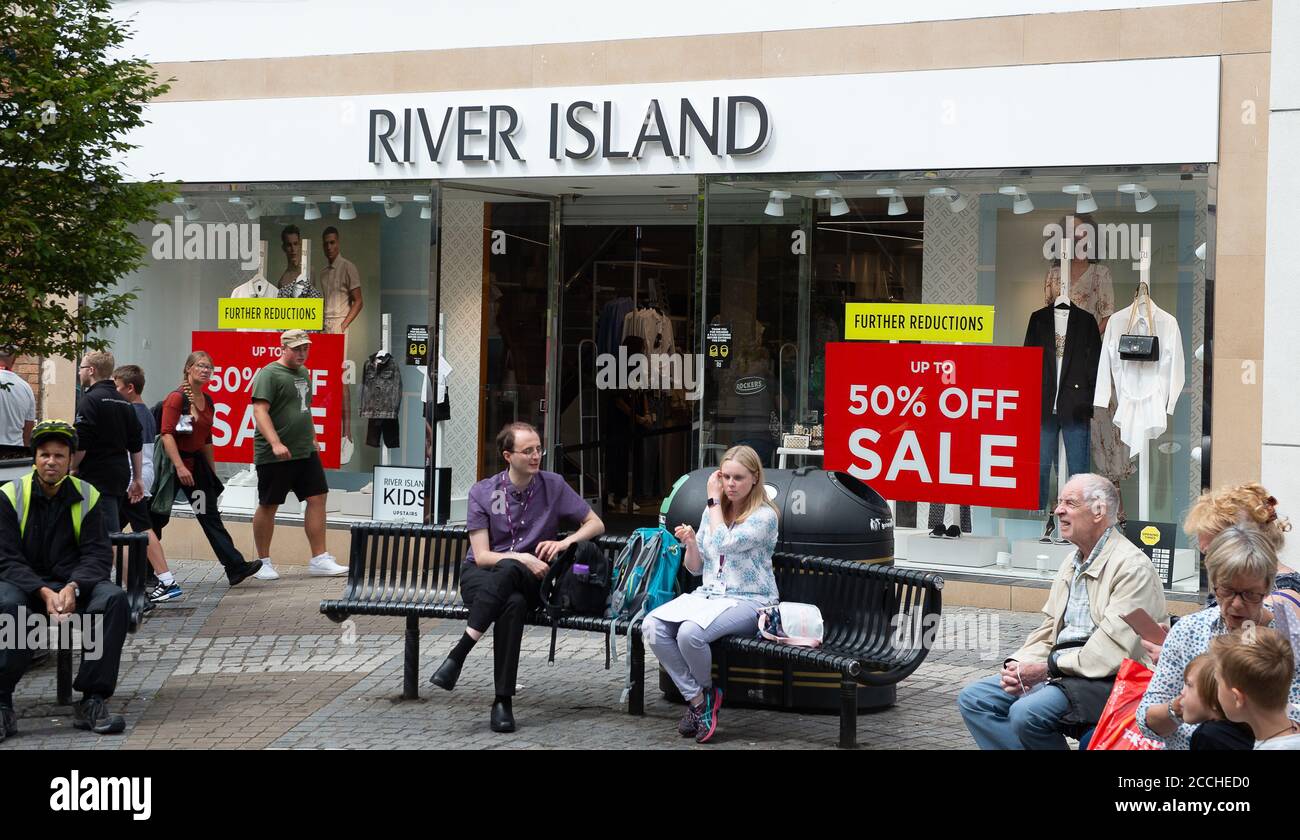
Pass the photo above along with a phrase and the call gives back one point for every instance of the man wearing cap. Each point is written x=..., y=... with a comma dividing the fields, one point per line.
x=54, y=561
x=286, y=455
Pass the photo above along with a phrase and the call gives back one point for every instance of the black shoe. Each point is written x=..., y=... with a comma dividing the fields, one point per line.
x=937, y=533
x=954, y=531
x=8, y=722
x=502, y=719
x=93, y=714
x=447, y=674
x=1048, y=529
x=247, y=570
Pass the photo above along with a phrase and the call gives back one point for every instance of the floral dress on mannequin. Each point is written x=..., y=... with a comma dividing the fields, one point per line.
x=1094, y=292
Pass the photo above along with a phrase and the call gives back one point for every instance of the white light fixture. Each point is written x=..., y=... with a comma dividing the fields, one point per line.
x=1083, y=200
x=252, y=207
x=426, y=205
x=956, y=201
x=1022, y=203
x=392, y=208
x=190, y=209
x=311, y=210
x=1196, y=454
x=1143, y=200
x=776, y=203
x=346, y=211
x=839, y=206
x=897, y=205
x=1200, y=251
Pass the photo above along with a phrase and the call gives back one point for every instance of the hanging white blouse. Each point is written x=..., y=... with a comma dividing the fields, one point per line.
x=1145, y=392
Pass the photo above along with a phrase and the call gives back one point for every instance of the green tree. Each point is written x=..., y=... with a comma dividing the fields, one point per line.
x=69, y=97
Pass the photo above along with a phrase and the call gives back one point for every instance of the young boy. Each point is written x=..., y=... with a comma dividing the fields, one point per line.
x=129, y=380
x=1200, y=704
x=1256, y=669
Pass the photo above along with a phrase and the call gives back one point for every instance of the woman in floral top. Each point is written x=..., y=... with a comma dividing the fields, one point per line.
x=733, y=552
x=1241, y=563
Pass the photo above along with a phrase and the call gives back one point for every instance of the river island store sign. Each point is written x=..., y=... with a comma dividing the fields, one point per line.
x=938, y=119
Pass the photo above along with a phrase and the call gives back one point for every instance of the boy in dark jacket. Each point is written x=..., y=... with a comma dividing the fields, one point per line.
x=54, y=561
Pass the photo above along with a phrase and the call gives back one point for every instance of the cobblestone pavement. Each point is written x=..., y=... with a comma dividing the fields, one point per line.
x=258, y=667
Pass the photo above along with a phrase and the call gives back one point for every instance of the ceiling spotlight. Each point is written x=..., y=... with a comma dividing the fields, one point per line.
x=1143, y=200
x=392, y=208
x=346, y=211
x=190, y=209
x=839, y=206
x=426, y=205
x=252, y=207
x=775, y=203
x=1200, y=251
x=897, y=206
x=1022, y=203
x=1083, y=202
x=956, y=201
x=311, y=210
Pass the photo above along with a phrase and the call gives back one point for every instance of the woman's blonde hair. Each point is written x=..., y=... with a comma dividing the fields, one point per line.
x=1241, y=551
x=1244, y=504
x=747, y=458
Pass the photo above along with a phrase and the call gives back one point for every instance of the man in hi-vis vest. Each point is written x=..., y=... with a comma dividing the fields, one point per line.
x=54, y=566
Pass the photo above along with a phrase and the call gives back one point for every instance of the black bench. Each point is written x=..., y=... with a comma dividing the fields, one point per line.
x=413, y=571
x=131, y=565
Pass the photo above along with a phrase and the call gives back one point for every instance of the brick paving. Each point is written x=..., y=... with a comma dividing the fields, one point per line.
x=258, y=667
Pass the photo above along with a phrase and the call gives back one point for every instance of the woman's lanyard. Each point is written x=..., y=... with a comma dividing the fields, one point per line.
x=528, y=497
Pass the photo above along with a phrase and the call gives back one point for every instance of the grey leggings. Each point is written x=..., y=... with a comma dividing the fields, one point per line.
x=683, y=646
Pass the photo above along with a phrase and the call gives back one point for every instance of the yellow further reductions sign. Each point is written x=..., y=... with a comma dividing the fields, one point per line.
x=270, y=313
x=918, y=322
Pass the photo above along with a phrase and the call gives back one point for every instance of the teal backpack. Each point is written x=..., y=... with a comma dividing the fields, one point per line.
x=644, y=577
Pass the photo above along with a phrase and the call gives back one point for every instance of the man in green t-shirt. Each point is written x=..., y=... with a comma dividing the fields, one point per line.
x=286, y=456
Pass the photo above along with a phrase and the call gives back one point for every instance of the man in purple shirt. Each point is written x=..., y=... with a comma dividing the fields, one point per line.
x=513, y=520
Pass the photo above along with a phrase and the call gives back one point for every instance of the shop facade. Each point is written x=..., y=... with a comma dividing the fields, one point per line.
x=652, y=272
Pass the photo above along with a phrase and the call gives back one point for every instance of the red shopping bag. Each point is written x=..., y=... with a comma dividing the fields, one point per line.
x=1117, y=729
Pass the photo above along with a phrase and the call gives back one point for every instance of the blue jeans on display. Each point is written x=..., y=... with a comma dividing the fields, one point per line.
x=1077, y=436
x=1000, y=721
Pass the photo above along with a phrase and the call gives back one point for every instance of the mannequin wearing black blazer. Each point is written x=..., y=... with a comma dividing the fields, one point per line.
x=1067, y=410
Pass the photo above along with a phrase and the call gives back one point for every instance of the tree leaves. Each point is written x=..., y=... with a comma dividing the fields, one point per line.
x=68, y=99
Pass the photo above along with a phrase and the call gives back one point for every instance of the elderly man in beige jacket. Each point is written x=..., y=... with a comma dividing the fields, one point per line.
x=1062, y=675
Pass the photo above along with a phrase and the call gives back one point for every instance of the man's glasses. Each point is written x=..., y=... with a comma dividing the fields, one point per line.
x=530, y=452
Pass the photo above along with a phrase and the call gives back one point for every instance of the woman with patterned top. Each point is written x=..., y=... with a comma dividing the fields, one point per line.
x=1241, y=563
x=733, y=552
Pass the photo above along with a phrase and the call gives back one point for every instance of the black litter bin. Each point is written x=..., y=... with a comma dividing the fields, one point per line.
x=827, y=514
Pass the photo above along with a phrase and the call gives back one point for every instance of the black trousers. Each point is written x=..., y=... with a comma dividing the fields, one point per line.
x=96, y=676
x=203, y=501
x=501, y=595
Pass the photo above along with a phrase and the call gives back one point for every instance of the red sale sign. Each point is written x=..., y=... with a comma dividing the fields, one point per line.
x=936, y=423
x=236, y=359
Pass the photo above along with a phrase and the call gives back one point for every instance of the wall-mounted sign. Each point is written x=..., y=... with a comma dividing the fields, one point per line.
x=918, y=322
x=717, y=345
x=270, y=313
x=417, y=345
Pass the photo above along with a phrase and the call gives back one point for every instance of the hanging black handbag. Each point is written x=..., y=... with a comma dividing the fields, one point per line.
x=1139, y=348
